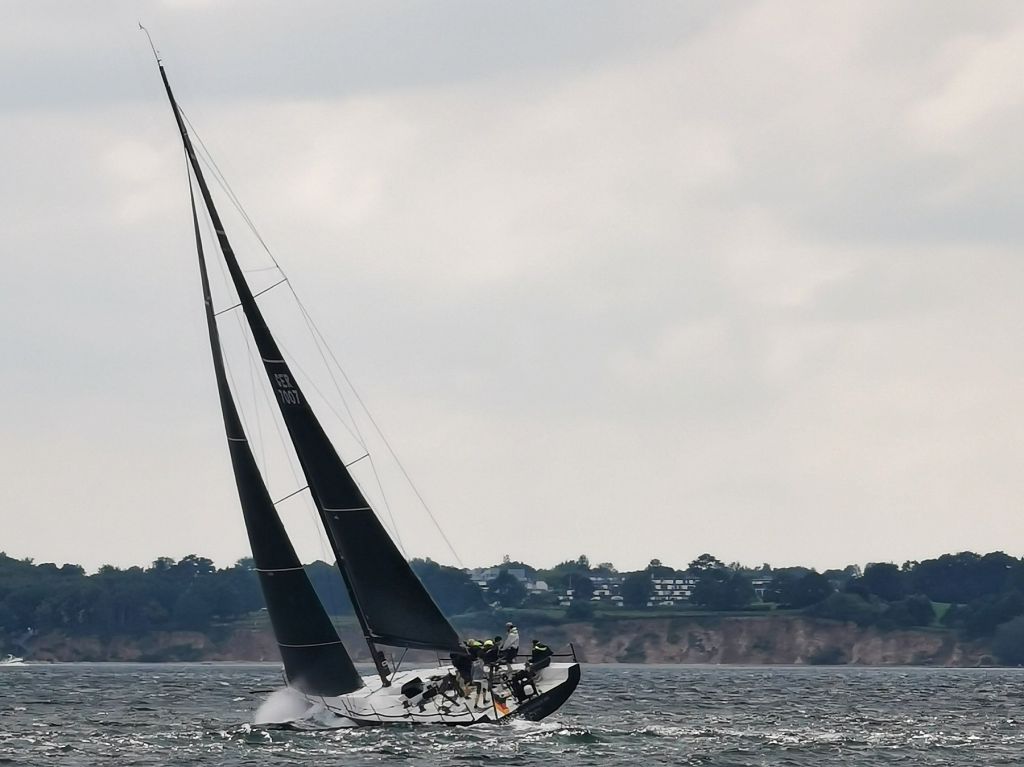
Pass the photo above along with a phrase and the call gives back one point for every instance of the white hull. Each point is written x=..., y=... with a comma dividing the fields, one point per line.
x=448, y=705
x=10, y=660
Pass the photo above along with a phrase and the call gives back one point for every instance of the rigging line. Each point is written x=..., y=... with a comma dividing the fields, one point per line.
x=358, y=439
x=296, y=492
x=357, y=460
x=258, y=434
x=308, y=379
x=262, y=269
x=320, y=343
x=230, y=381
x=326, y=552
x=311, y=327
x=261, y=443
x=254, y=295
x=222, y=180
x=251, y=353
x=380, y=433
x=312, y=515
x=207, y=159
x=281, y=281
x=398, y=665
x=227, y=364
x=256, y=409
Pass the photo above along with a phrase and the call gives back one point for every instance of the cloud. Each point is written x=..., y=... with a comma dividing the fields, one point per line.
x=735, y=278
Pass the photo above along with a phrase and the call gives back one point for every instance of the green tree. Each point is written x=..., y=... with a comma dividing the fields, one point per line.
x=656, y=569
x=840, y=578
x=1008, y=644
x=582, y=588
x=722, y=589
x=636, y=589
x=506, y=590
x=982, y=616
x=559, y=576
x=915, y=610
x=452, y=588
x=884, y=580
x=965, y=577
x=705, y=563
x=844, y=606
x=798, y=588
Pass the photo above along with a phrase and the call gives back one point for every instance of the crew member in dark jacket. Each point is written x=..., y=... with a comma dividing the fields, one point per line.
x=540, y=656
x=490, y=652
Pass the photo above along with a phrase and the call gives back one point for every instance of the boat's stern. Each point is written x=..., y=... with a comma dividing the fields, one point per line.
x=554, y=685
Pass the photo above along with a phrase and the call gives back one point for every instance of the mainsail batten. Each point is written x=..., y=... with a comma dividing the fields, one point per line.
x=315, y=660
x=393, y=606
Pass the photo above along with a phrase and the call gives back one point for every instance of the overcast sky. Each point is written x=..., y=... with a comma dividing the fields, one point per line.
x=626, y=279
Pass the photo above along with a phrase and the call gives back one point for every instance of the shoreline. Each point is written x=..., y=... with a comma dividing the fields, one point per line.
x=714, y=640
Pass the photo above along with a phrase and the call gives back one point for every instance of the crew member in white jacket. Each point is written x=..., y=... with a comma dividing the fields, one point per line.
x=510, y=644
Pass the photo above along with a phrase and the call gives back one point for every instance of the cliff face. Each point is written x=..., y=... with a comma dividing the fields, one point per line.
x=769, y=640
x=783, y=639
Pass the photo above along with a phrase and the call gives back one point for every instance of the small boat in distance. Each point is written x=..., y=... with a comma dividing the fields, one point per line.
x=392, y=606
x=12, y=660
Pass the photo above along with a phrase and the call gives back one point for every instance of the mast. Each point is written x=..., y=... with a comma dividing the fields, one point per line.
x=389, y=601
x=229, y=257
x=315, y=660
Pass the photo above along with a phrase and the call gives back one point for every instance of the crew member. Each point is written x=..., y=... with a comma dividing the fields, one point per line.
x=463, y=664
x=510, y=645
x=540, y=656
x=489, y=652
x=478, y=676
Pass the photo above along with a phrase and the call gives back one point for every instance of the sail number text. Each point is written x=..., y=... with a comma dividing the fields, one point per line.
x=286, y=391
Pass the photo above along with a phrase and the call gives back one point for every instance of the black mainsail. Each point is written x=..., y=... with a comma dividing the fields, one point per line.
x=315, y=660
x=392, y=605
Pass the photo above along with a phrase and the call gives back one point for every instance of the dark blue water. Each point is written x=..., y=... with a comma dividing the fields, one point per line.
x=84, y=714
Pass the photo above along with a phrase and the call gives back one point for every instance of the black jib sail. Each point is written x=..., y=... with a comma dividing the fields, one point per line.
x=315, y=660
x=391, y=603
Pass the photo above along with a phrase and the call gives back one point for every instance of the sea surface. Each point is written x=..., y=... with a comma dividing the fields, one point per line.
x=199, y=714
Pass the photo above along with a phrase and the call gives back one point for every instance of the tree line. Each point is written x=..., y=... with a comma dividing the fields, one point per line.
x=981, y=596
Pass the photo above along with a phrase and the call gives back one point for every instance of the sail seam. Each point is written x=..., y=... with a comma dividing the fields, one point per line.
x=358, y=508
x=314, y=644
x=277, y=569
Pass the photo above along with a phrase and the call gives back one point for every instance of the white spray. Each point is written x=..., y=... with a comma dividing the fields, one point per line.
x=285, y=705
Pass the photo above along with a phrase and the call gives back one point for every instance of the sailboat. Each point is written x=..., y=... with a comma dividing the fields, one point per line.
x=392, y=606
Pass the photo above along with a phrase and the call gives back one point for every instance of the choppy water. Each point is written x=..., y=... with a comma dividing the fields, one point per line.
x=106, y=714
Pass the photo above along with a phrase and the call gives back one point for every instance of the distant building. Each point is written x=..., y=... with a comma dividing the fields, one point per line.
x=760, y=586
x=606, y=590
x=482, y=577
x=668, y=592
